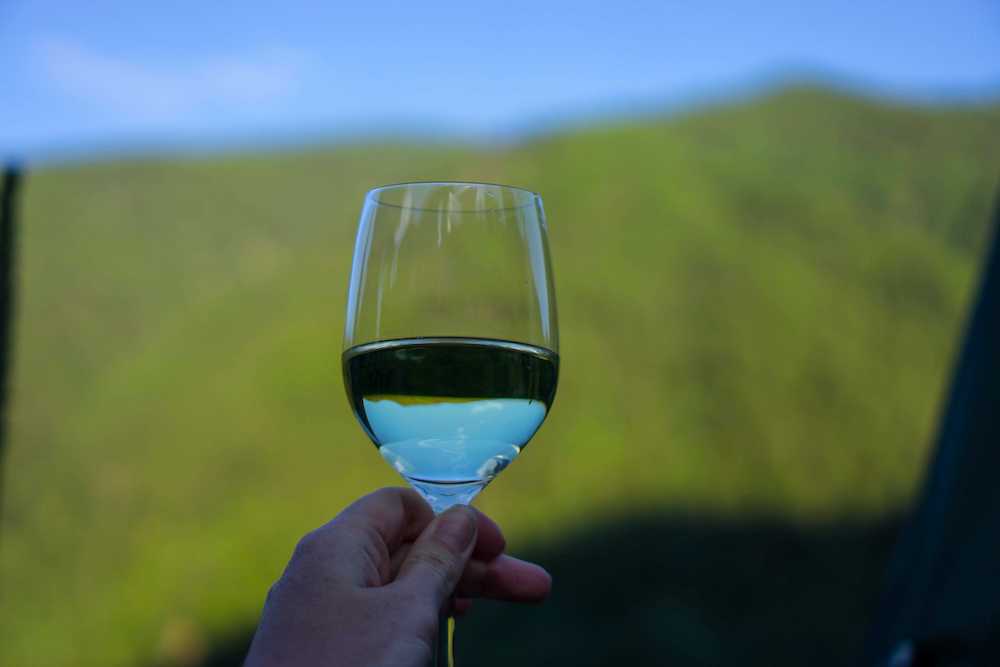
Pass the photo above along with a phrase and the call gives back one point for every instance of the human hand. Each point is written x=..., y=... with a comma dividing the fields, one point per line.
x=367, y=587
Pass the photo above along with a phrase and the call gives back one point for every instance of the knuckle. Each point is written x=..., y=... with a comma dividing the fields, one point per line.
x=386, y=493
x=439, y=563
x=308, y=546
x=272, y=592
x=311, y=557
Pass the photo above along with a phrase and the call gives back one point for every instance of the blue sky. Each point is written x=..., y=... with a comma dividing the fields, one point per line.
x=91, y=76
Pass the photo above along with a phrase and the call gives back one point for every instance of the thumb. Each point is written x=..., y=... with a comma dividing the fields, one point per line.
x=438, y=557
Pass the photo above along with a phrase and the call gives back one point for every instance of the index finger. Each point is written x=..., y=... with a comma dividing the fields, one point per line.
x=355, y=548
x=396, y=515
x=490, y=542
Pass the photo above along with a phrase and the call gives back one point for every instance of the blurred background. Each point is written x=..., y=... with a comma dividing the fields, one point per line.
x=766, y=223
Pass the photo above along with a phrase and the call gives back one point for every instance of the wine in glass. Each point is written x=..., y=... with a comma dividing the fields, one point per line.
x=451, y=342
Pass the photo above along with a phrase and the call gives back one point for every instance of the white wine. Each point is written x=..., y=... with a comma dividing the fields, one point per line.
x=450, y=413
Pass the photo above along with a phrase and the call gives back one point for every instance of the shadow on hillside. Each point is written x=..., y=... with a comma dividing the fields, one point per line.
x=683, y=590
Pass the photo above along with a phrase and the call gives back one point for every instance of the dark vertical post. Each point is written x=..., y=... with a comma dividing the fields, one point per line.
x=941, y=605
x=8, y=215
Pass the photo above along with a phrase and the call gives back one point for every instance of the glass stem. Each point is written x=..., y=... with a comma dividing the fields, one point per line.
x=444, y=654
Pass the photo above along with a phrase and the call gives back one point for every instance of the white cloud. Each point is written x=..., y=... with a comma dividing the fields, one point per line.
x=156, y=93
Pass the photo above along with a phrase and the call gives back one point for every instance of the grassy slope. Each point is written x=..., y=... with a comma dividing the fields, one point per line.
x=758, y=304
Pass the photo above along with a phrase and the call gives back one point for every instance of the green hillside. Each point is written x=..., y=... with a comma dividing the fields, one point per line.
x=759, y=304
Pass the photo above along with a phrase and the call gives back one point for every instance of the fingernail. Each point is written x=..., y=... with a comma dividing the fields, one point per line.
x=456, y=528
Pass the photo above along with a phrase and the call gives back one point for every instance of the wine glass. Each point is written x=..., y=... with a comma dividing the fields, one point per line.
x=451, y=342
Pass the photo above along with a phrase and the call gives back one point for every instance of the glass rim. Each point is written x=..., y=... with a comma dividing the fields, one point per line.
x=373, y=194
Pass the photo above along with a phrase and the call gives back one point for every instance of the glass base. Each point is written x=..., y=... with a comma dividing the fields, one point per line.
x=442, y=495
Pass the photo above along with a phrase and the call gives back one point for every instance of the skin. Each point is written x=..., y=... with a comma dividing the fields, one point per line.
x=367, y=587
